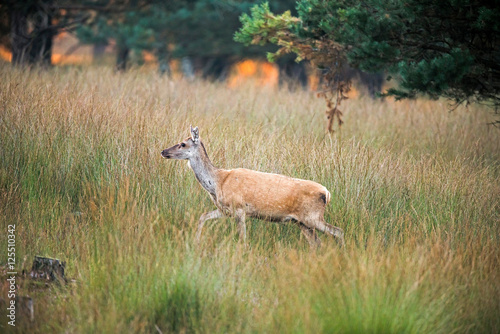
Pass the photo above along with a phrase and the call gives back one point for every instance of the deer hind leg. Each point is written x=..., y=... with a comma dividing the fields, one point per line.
x=311, y=236
x=204, y=217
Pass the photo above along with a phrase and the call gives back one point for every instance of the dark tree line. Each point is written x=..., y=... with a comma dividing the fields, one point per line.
x=197, y=32
x=31, y=31
x=28, y=27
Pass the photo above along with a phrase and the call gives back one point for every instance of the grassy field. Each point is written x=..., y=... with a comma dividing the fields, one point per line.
x=415, y=188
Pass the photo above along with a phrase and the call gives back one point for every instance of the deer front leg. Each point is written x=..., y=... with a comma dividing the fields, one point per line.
x=336, y=232
x=310, y=234
x=204, y=217
x=240, y=217
x=321, y=225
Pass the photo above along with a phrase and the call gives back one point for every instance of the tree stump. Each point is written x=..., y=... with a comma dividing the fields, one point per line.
x=48, y=269
x=25, y=308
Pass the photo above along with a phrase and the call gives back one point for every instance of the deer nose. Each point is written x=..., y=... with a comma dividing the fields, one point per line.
x=165, y=154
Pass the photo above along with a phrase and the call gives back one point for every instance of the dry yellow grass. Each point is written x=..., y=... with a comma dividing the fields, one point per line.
x=414, y=186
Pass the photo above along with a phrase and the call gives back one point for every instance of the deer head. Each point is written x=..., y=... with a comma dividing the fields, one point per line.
x=185, y=149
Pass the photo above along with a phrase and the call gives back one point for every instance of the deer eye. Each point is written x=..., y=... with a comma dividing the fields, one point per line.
x=183, y=145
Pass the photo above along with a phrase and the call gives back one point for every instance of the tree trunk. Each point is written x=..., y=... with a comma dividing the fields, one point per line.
x=187, y=68
x=41, y=46
x=163, y=65
x=33, y=47
x=19, y=35
x=293, y=73
x=98, y=51
x=122, y=57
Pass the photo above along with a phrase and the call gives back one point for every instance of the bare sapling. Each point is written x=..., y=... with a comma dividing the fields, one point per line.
x=242, y=193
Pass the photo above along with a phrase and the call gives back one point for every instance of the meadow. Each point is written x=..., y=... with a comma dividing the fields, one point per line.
x=414, y=186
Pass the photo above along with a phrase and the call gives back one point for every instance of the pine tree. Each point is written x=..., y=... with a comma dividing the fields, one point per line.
x=203, y=31
x=198, y=30
x=130, y=28
x=447, y=48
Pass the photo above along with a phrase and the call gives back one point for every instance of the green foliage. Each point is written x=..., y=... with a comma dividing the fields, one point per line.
x=204, y=28
x=199, y=29
x=130, y=29
x=438, y=48
x=262, y=27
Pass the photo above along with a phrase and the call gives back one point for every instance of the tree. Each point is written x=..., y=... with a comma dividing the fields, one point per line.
x=32, y=24
x=439, y=48
x=203, y=31
x=130, y=29
x=200, y=32
x=31, y=30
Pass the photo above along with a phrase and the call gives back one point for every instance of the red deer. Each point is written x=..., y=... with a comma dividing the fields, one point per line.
x=242, y=193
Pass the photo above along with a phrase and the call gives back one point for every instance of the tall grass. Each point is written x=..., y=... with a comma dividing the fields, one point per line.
x=414, y=186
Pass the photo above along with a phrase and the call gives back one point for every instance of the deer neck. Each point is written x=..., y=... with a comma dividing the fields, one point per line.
x=204, y=170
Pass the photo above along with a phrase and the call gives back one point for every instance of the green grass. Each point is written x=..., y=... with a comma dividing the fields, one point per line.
x=414, y=187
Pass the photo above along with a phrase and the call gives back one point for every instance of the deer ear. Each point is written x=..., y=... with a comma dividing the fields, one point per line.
x=195, y=134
